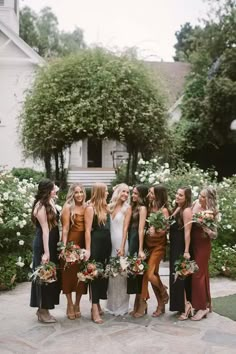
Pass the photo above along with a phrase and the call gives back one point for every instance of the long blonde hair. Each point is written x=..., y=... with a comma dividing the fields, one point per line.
x=211, y=200
x=71, y=201
x=98, y=199
x=117, y=190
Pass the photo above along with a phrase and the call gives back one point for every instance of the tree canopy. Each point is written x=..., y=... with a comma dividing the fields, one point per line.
x=41, y=32
x=209, y=102
x=93, y=94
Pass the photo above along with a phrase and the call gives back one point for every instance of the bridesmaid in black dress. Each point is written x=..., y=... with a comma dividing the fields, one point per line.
x=97, y=229
x=180, y=290
x=136, y=219
x=45, y=217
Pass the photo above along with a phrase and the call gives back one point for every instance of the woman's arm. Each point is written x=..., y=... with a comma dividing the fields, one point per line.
x=41, y=215
x=187, y=218
x=65, y=220
x=121, y=251
x=142, y=221
x=88, y=221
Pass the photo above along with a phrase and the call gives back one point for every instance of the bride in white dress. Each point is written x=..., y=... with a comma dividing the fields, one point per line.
x=118, y=299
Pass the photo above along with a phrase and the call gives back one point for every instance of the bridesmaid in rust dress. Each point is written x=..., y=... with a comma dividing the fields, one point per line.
x=155, y=243
x=201, y=246
x=73, y=229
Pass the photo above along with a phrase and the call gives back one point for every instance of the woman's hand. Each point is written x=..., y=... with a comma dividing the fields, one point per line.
x=45, y=258
x=141, y=255
x=120, y=252
x=152, y=231
x=186, y=255
x=87, y=255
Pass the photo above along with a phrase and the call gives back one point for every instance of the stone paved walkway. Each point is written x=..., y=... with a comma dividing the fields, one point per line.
x=20, y=332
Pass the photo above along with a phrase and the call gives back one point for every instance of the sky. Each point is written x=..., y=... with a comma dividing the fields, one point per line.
x=149, y=25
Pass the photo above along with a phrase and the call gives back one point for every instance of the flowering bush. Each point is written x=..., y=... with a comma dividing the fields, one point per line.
x=223, y=261
x=16, y=229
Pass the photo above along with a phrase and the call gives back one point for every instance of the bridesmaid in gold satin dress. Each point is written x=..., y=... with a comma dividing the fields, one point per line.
x=73, y=229
x=155, y=243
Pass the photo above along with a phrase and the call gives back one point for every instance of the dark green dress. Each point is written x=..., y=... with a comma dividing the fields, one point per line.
x=100, y=252
x=134, y=283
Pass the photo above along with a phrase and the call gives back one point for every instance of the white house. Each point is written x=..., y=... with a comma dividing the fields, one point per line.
x=87, y=161
x=18, y=63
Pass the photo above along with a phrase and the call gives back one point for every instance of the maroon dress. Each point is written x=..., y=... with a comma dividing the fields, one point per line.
x=201, y=247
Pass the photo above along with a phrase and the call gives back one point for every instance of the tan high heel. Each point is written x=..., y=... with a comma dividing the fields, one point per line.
x=159, y=311
x=70, y=312
x=77, y=311
x=45, y=319
x=164, y=295
x=200, y=314
x=188, y=312
x=97, y=320
x=142, y=309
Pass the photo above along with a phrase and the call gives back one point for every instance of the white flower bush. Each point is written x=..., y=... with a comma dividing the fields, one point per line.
x=16, y=229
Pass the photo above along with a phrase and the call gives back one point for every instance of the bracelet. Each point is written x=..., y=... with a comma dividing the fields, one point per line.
x=186, y=252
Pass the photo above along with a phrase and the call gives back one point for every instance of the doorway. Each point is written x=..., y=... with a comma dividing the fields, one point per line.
x=94, y=153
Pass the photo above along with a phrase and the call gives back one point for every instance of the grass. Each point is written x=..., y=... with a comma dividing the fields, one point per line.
x=225, y=306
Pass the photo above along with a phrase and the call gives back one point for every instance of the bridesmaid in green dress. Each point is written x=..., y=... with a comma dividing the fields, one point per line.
x=136, y=219
x=97, y=229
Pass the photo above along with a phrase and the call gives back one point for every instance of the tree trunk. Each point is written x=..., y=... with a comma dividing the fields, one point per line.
x=47, y=163
x=128, y=167
x=57, y=171
x=63, y=172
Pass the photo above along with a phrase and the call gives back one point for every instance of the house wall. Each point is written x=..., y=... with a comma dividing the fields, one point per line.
x=8, y=15
x=15, y=79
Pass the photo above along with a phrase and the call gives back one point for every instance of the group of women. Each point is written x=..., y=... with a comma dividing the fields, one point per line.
x=118, y=229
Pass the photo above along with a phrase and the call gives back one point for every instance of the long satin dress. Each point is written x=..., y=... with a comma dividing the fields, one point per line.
x=156, y=247
x=45, y=296
x=177, y=288
x=100, y=252
x=201, y=246
x=134, y=283
x=69, y=275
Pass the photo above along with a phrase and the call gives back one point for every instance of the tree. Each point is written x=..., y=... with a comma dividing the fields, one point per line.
x=93, y=94
x=186, y=39
x=41, y=32
x=209, y=103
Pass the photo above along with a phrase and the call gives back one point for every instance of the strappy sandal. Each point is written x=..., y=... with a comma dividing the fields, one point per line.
x=188, y=312
x=77, y=311
x=159, y=311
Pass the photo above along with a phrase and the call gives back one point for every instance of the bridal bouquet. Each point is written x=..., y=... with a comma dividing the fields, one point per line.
x=158, y=220
x=90, y=270
x=116, y=266
x=71, y=253
x=184, y=267
x=45, y=273
x=136, y=266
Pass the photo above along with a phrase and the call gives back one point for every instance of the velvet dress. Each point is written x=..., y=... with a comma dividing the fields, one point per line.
x=45, y=296
x=177, y=288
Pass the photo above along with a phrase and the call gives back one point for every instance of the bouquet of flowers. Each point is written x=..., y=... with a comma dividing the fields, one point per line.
x=71, y=253
x=136, y=266
x=90, y=270
x=45, y=273
x=184, y=267
x=205, y=218
x=116, y=265
x=158, y=220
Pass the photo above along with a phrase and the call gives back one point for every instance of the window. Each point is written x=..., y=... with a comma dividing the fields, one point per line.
x=1, y=2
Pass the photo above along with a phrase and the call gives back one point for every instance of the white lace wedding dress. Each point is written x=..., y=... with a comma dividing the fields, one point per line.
x=118, y=299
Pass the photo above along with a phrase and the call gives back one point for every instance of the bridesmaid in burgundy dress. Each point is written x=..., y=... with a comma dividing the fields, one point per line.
x=201, y=246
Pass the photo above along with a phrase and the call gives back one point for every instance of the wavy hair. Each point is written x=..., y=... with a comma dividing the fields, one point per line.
x=161, y=196
x=211, y=199
x=42, y=197
x=71, y=201
x=117, y=190
x=187, y=204
x=98, y=199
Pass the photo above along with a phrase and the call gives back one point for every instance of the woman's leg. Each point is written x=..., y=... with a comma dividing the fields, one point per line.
x=95, y=314
x=77, y=304
x=70, y=307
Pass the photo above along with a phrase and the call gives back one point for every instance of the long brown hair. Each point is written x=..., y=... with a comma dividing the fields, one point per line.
x=42, y=197
x=98, y=199
x=187, y=204
x=161, y=197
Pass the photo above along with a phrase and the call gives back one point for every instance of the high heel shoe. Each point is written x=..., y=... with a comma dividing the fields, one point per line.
x=188, y=312
x=142, y=309
x=45, y=319
x=200, y=314
x=77, y=311
x=70, y=312
x=135, y=309
x=159, y=311
x=95, y=319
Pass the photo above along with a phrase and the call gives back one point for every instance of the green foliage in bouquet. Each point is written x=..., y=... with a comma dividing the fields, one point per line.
x=158, y=220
